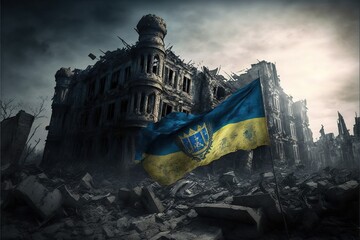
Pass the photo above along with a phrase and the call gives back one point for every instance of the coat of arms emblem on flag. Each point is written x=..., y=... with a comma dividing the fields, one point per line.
x=196, y=141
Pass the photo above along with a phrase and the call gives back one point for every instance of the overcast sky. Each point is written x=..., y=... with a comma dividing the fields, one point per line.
x=315, y=44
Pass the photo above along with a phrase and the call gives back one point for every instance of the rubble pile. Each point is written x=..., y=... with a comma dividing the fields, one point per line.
x=79, y=205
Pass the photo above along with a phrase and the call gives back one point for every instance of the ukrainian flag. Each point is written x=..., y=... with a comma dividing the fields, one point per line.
x=181, y=142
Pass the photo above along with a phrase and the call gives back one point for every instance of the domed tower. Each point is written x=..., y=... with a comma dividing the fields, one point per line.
x=146, y=86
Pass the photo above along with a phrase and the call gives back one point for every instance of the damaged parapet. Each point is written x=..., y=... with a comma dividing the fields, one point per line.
x=14, y=133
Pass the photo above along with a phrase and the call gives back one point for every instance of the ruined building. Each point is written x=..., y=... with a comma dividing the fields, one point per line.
x=343, y=150
x=288, y=122
x=97, y=112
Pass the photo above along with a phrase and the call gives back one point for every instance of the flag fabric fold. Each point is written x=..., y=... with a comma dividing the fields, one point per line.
x=181, y=142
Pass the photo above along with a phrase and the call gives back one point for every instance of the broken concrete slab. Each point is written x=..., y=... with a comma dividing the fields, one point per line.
x=254, y=201
x=44, y=202
x=225, y=211
x=87, y=181
x=150, y=201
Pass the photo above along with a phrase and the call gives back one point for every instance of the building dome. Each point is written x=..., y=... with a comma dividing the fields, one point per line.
x=151, y=21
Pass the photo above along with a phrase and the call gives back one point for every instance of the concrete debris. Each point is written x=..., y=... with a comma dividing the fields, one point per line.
x=225, y=211
x=244, y=208
x=43, y=201
x=87, y=181
x=150, y=201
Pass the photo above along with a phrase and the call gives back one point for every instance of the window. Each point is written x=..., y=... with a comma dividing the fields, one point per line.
x=127, y=74
x=148, y=63
x=166, y=109
x=277, y=122
x=102, y=85
x=142, y=63
x=276, y=102
x=114, y=79
x=142, y=103
x=97, y=115
x=290, y=109
x=166, y=76
x=123, y=106
x=186, y=84
x=170, y=78
x=220, y=93
x=111, y=111
x=292, y=130
x=156, y=64
x=296, y=152
x=151, y=103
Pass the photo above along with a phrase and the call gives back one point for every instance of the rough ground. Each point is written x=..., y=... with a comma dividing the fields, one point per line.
x=74, y=204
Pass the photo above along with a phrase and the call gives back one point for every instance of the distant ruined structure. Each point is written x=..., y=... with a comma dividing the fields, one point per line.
x=97, y=112
x=343, y=150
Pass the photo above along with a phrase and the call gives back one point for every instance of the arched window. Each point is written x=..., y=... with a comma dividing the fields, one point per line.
x=156, y=63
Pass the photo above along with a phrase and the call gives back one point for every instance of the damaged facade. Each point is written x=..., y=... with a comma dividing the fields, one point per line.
x=98, y=111
x=288, y=122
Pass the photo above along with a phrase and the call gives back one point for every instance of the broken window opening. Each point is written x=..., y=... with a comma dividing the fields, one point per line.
x=127, y=74
x=97, y=115
x=148, y=63
x=142, y=63
x=114, y=79
x=156, y=64
x=111, y=111
x=123, y=106
x=220, y=93
x=102, y=85
x=151, y=103
x=214, y=91
x=166, y=109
